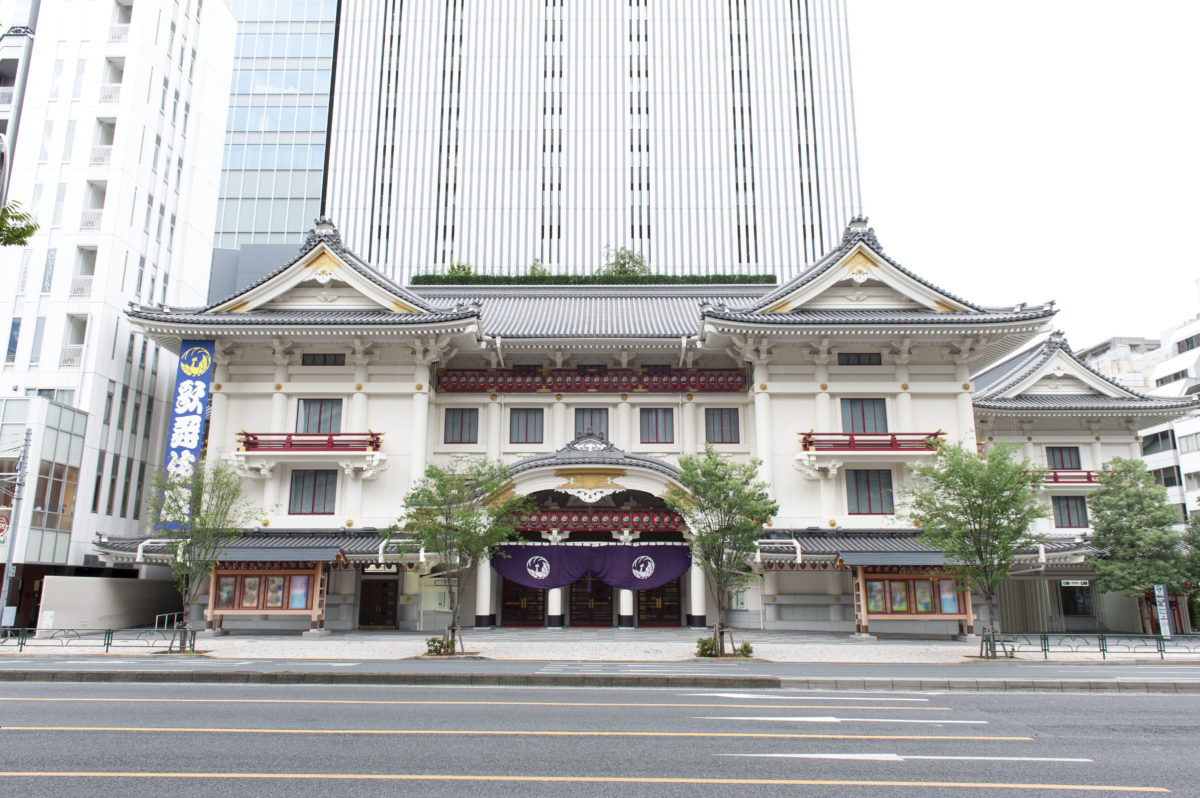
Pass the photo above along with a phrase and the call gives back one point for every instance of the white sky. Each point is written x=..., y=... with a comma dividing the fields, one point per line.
x=1028, y=150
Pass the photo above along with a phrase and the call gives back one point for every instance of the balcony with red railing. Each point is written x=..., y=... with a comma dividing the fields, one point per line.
x=870, y=442
x=614, y=380
x=310, y=441
x=1071, y=477
x=357, y=454
x=609, y=520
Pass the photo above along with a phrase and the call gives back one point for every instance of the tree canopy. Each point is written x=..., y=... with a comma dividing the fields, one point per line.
x=1133, y=522
x=623, y=262
x=461, y=512
x=725, y=505
x=977, y=510
x=200, y=515
x=16, y=225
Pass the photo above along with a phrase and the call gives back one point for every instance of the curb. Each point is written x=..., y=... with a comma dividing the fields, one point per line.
x=995, y=685
x=485, y=679
x=613, y=680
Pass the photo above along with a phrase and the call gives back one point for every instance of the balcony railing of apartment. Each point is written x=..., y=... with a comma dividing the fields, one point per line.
x=71, y=355
x=869, y=441
x=1071, y=476
x=110, y=92
x=118, y=33
x=310, y=441
x=101, y=155
x=6, y=95
x=81, y=285
x=90, y=220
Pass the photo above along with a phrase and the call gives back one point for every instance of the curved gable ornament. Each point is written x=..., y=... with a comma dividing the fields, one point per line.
x=591, y=468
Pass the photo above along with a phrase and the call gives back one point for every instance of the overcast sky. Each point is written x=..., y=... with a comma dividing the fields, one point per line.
x=1027, y=150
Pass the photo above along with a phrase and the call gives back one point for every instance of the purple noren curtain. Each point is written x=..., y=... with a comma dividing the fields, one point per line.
x=628, y=567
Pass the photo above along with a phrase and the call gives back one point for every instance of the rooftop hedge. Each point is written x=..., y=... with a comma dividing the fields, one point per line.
x=593, y=279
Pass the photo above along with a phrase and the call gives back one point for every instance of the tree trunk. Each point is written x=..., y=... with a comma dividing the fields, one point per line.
x=1145, y=616
x=989, y=600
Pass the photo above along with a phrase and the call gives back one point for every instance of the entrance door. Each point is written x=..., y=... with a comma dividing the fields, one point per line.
x=378, y=607
x=591, y=603
x=660, y=606
x=522, y=606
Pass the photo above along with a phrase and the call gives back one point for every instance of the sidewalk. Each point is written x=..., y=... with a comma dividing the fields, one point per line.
x=594, y=645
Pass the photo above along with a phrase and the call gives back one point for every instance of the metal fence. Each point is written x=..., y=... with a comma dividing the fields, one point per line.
x=1008, y=645
x=183, y=639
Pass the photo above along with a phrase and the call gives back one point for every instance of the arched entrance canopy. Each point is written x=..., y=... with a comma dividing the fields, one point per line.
x=590, y=468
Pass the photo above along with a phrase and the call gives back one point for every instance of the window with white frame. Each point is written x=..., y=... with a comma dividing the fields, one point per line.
x=657, y=425
x=721, y=425
x=1070, y=511
x=525, y=425
x=869, y=492
x=319, y=415
x=462, y=425
x=1063, y=457
x=313, y=492
x=864, y=415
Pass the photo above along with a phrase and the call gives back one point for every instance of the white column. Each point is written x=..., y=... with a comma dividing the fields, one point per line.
x=419, y=426
x=351, y=505
x=966, y=410
x=625, y=608
x=492, y=433
x=904, y=418
x=763, y=444
x=697, y=596
x=624, y=433
x=483, y=596
x=279, y=399
x=218, y=444
x=412, y=582
x=770, y=587
x=560, y=430
x=554, y=607
x=688, y=428
x=829, y=506
x=357, y=417
x=1097, y=454
x=823, y=400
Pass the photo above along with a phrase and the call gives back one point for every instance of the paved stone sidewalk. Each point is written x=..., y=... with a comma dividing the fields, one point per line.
x=614, y=645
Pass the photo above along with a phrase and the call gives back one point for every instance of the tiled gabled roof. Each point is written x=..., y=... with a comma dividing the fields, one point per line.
x=593, y=450
x=827, y=316
x=290, y=544
x=296, y=317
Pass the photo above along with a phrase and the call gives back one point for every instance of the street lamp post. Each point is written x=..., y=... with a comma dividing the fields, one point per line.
x=22, y=462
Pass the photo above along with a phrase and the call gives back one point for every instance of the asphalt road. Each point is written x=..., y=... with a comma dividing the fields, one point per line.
x=1168, y=670
x=133, y=740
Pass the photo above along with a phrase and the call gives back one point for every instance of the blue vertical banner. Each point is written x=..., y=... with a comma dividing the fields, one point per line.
x=189, y=400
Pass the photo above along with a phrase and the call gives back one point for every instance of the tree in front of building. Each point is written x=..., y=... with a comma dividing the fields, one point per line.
x=199, y=515
x=725, y=506
x=1133, y=521
x=16, y=225
x=977, y=509
x=461, y=512
x=623, y=263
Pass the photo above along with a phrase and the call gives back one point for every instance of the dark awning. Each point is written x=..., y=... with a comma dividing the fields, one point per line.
x=893, y=558
x=279, y=554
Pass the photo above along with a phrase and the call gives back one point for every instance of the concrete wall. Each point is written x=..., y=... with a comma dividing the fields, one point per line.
x=92, y=602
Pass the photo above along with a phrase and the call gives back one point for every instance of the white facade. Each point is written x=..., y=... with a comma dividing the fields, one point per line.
x=119, y=137
x=836, y=381
x=711, y=136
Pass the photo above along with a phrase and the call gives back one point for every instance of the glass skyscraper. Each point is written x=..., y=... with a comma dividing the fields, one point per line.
x=273, y=166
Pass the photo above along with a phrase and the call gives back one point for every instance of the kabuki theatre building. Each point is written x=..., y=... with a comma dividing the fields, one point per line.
x=330, y=388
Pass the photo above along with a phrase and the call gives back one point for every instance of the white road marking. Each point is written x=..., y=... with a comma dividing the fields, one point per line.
x=800, y=697
x=344, y=664
x=906, y=757
x=831, y=719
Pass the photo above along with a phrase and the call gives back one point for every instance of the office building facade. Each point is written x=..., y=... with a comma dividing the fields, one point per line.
x=710, y=137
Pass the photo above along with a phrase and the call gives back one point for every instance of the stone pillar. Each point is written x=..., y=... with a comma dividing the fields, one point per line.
x=829, y=505
x=484, y=617
x=218, y=443
x=419, y=424
x=966, y=410
x=351, y=498
x=688, y=427
x=904, y=417
x=824, y=402
x=492, y=432
x=624, y=436
x=770, y=587
x=1097, y=454
x=279, y=399
x=357, y=417
x=763, y=445
x=554, y=608
x=696, y=599
x=560, y=430
x=625, y=608
x=412, y=581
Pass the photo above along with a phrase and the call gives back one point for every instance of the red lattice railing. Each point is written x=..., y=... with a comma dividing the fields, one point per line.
x=310, y=441
x=869, y=441
x=601, y=520
x=574, y=381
